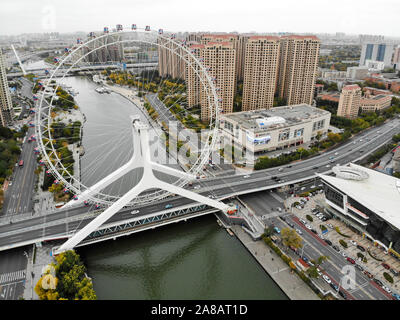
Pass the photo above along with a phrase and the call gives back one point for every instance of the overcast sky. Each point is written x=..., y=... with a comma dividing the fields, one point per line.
x=317, y=16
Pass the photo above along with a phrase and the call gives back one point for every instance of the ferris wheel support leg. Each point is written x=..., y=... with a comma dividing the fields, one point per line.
x=172, y=171
x=99, y=220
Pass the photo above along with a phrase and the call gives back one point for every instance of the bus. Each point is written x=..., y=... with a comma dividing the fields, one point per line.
x=21, y=163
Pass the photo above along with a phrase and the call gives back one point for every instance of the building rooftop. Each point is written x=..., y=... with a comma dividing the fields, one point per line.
x=351, y=87
x=278, y=117
x=377, y=191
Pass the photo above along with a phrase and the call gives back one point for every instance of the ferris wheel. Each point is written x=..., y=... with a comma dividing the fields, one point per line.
x=120, y=62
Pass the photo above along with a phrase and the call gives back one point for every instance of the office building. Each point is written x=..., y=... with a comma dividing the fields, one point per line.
x=298, y=68
x=6, y=106
x=377, y=52
x=357, y=73
x=349, y=102
x=260, y=72
x=371, y=103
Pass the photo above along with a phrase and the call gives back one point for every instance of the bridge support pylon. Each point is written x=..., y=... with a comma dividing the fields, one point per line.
x=141, y=159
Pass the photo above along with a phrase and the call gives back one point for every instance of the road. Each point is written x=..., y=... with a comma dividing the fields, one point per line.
x=221, y=187
x=265, y=203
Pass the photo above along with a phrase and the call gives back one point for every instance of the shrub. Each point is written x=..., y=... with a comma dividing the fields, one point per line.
x=343, y=243
x=309, y=218
x=343, y=235
x=323, y=228
x=388, y=277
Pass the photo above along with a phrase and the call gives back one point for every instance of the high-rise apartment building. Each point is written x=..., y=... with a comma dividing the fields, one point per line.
x=349, y=102
x=169, y=62
x=104, y=49
x=192, y=79
x=220, y=58
x=260, y=72
x=6, y=107
x=298, y=68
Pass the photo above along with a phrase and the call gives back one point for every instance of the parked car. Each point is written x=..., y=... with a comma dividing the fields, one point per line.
x=359, y=267
x=343, y=295
x=299, y=231
x=282, y=218
x=334, y=286
x=290, y=224
x=396, y=296
x=368, y=274
x=326, y=278
x=353, y=242
x=336, y=248
x=303, y=222
x=379, y=283
x=396, y=273
x=305, y=258
x=344, y=254
x=386, y=289
x=308, y=226
x=328, y=241
x=277, y=230
x=314, y=231
x=386, y=266
x=350, y=260
x=330, y=225
x=361, y=248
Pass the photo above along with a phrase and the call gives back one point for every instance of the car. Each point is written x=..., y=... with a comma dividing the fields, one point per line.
x=299, y=231
x=290, y=224
x=289, y=166
x=303, y=222
x=386, y=289
x=336, y=248
x=308, y=226
x=327, y=166
x=329, y=242
x=274, y=177
x=282, y=218
x=314, y=231
x=315, y=167
x=396, y=296
x=168, y=206
x=277, y=230
x=386, y=266
x=324, y=218
x=344, y=254
x=305, y=259
x=350, y=260
x=361, y=151
x=378, y=282
x=326, y=278
x=359, y=267
x=378, y=131
x=197, y=187
x=280, y=169
x=361, y=248
x=342, y=294
x=336, y=153
x=330, y=225
x=396, y=273
x=321, y=236
x=361, y=140
x=368, y=274
x=353, y=242
x=246, y=176
x=334, y=286
x=303, y=188
x=134, y=211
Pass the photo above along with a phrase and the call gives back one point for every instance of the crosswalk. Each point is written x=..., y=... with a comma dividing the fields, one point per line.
x=12, y=276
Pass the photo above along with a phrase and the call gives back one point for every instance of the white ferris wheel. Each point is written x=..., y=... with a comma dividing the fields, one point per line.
x=97, y=186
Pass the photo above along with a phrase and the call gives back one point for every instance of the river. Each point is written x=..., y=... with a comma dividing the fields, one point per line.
x=196, y=259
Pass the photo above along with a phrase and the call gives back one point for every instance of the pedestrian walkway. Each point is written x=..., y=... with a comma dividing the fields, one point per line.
x=12, y=276
x=294, y=287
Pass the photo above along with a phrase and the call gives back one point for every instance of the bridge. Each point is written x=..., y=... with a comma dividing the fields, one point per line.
x=41, y=72
x=65, y=222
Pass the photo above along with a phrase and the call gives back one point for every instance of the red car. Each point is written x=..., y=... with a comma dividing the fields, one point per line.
x=386, y=266
x=350, y=260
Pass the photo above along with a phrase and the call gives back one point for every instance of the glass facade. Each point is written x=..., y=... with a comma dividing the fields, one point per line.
x=381, y=52
x=368, y=51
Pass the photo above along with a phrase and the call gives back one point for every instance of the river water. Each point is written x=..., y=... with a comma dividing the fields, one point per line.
x=189, y=260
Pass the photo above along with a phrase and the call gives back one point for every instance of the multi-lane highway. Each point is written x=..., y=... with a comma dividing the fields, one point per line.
x=60, y=222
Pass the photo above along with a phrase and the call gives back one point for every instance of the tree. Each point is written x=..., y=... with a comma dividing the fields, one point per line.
x=312, y=272
x=291, y=238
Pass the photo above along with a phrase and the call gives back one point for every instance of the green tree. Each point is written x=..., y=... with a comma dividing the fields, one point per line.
x=291, y=238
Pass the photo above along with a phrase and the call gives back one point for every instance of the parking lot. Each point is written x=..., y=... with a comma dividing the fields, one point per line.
x=356, y=244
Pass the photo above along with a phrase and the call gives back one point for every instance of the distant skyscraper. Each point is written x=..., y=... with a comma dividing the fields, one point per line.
x=260, y=72
x=377, y=51
x=349, y=102
x=298, y=68
x=6, y=107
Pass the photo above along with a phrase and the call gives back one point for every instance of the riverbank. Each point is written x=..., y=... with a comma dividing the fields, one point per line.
x=294, y=287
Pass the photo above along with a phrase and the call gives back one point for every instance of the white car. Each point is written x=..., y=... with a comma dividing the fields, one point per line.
x=336, y=153
x=327, y=166
x=134, y=211
x=344, y=254
x=303, y=188
x=303, y=222
x=386, y=289
x=246, y=176
x=308, y=226
x=299, y=231
x=326, y=278
x=196, y=187
x=353, y=242
x=280, y=169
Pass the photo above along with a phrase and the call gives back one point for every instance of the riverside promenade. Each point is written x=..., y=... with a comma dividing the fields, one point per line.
x=294, y=287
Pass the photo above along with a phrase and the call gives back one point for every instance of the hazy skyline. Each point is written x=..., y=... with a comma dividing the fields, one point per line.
x=313, y=16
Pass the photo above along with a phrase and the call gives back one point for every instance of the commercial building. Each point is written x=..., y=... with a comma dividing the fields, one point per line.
x=357, y=73
x=6, y=106
x=367, y=200
x=260, y=131
x=349, y=102
x=377, y=51
x=332, y=74
x=220, y=58
x=298, y=68
x=260, y=72
x=375, y=103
